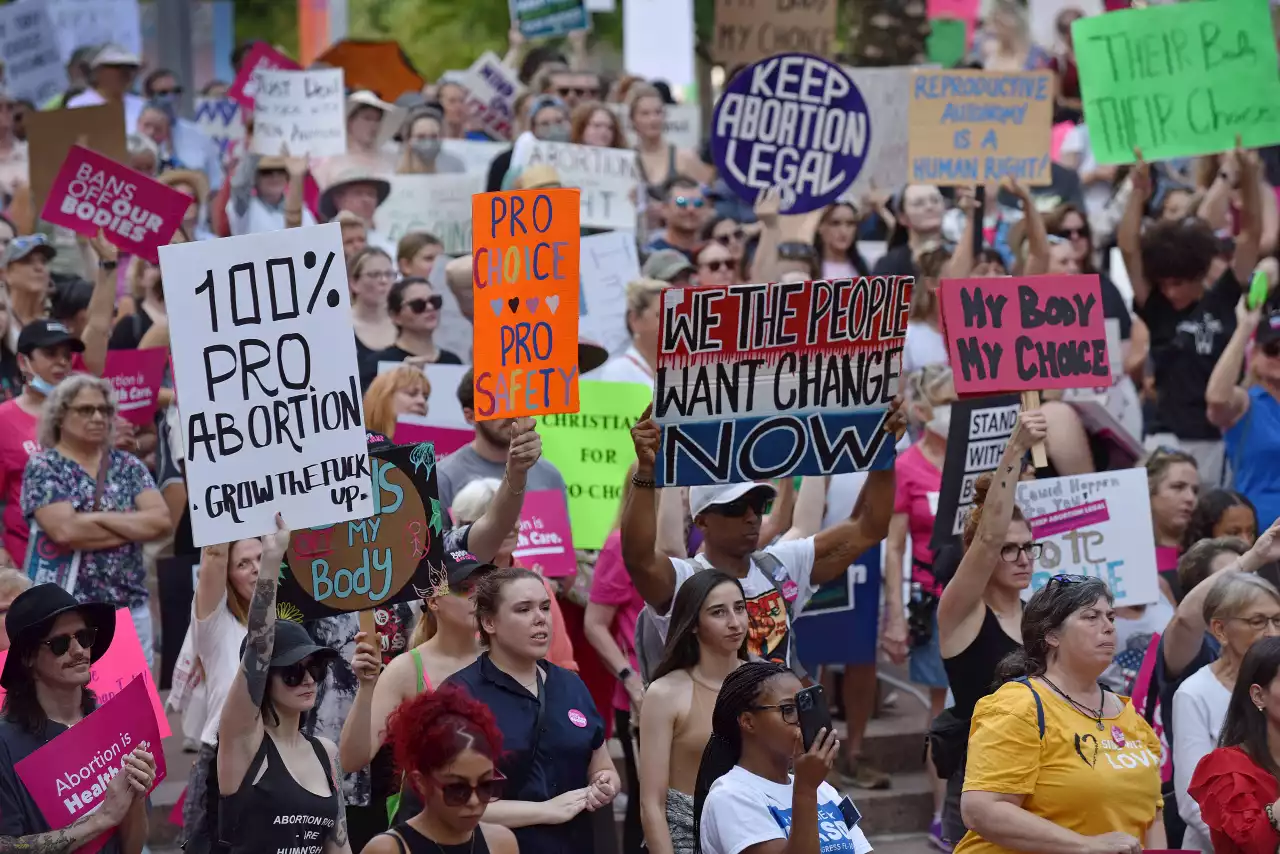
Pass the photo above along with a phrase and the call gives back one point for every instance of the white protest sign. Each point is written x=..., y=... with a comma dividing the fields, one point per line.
x=476, y=155
x=94, y=22
x=886, y=92
x=607, y=177
x=492, y=89
x=303, y=111
x=1097, y=525
x=682, y=126
x=455, y=332
x=33, y=65
x=264, y=362
x=606, y=263
x=438, y=204
x=220, y=120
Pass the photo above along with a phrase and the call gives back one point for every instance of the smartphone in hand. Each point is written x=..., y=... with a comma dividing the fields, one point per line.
x=813, y=712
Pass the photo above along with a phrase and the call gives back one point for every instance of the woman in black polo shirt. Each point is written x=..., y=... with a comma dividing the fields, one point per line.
x=556, y=762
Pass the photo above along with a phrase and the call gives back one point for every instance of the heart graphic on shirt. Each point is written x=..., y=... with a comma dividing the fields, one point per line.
x=496, y=305
x=553, y=303
x=1082, y=741
x=532, y=304
x=513, y=304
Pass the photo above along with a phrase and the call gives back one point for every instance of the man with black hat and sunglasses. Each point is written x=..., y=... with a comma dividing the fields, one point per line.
x=46, y=675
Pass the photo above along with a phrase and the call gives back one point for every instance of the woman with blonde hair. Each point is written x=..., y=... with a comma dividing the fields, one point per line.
x=636, y=364
x=370, y=274
x=592, y=123
x=658, y=161
x=403, y=391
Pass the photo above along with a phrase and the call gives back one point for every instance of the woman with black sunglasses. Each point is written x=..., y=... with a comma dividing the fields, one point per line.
x=449, y=746
x=414, y=307
x=1056, y=761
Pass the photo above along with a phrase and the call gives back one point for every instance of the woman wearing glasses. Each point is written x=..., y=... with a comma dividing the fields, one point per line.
x=414, y=307
x=758, y=790
x=1240, y=610
x=716, y=265
x=449, y=746
x=980, y=610
x=1249, y=413
x=370, y=275
x=1056, y=761
x=730, y=234
x=81, y=495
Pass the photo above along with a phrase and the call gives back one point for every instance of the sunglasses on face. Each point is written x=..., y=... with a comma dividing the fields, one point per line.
x=790, y=714
x=1072, y=233
x=716, y=266
x=1009, y=553
x=738, y=508
x=572, y=92
x=292, y=675
x=459, y=794
x=725, y=239
x=420, y=306
x=106, y=410
x=59, y=644
x=686, y=202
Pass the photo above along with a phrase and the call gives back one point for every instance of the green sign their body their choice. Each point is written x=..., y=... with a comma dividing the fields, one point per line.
x=1178, y=80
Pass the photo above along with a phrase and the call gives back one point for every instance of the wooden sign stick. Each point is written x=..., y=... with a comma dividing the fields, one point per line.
x=370, y=628
x=1039, y=459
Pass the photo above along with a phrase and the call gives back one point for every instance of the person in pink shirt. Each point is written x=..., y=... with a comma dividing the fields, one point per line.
x=918, y=471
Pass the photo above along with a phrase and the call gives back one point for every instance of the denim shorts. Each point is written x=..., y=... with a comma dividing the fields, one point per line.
x=925, y=665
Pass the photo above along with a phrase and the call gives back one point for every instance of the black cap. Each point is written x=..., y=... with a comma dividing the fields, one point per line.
x=43, y=603
x=1268, y=329
x=45, y=333
x=462, y=567
x=292, y=644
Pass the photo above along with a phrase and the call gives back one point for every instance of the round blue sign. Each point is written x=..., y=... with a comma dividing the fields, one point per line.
x=792, y=121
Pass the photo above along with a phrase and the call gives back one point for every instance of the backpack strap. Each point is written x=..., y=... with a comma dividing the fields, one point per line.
x=772, y=568
x=419, y=670
x=1039, y=705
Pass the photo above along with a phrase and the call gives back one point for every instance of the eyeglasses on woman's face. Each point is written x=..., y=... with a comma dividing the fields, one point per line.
x=728, y=238
x=88, y=410
x=1009, y=551
x=789, y=712
x=1259, y=622
x=727, y=264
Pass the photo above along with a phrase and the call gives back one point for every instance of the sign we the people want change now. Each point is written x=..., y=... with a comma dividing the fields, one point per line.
x=438, y=204
x=300, y=113
x=525, y=282
x=795, y=122
x=607, y=177
x=394, y=555
x=757, y=382
x=264, y=362
x=976, y=127
x=1025, y=334
x=1178, y=80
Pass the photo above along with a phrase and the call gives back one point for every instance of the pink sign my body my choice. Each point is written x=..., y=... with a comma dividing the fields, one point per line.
x=1028, y=333
x=93, y=192
x=263, y=57
x=68, y=777
x=137, y=376
x=546, y=541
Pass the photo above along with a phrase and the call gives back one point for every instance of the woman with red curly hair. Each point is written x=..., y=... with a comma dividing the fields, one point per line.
x=448, y=746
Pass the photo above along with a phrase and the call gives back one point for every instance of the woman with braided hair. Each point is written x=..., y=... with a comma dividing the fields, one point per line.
x=746, y=801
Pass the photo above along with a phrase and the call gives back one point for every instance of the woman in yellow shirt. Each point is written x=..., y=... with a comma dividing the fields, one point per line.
x=1057, y=763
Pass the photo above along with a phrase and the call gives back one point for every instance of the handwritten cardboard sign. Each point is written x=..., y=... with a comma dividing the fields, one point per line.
x=756, y=382
x=439, y=204
x=492, y=89
x=136, y=213
x=525, y=284
x=538, y=19
x=747, y=31
x=1025, y=334
x=545, y=540
x=300, y=112
x=261, y=57
x=222, y=121
x=51, y=133
x=974, y=127
x=67, y=778
x=1178, y=80
x=607, y=177
x=794, y=121
x=388, y=557
x=265, y=366
x=136, y=375
x=33, y=64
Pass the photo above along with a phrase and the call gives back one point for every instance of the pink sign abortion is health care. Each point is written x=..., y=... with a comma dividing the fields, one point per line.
x=1027, y=333
x=93, y=193
x=546, y=540
x=263, y=57
x=68, y=777
x=136, y=376
x=446, y=439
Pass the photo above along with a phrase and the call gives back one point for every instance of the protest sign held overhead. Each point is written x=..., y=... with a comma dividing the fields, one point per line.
x=977, y=127
x=492, y=89
x=394, y=555
x=979, y=431
x=33, y=64
x=609, y=260
x=886, y=92
x=791, y=121
x=525, y=283
x=1178, y=80
x=607, y=177
x=1025, y=334
x=222, y=121
x=750, y=30
x=51, y=133
x=94, y=22
x=437, y=204
x=537, y=19
x=136, y=375
x=757, y=382
x=264, y=363
x=300, y=113
x=261, y=57
x=92, y=193
x=545, y=543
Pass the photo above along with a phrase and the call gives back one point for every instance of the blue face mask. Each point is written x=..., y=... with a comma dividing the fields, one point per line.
x=41, y=385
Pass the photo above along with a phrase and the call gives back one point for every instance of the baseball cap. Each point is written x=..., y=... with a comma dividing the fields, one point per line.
x=666, y=264
x=21, y=247
x=292, y=644
x=39, y=334
x=462, y=567
x=114, y=54
x=1268, y=330
x=702, y=498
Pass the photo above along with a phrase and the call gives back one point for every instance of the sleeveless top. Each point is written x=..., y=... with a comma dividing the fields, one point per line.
x=972, y=673
x=276, y=814
x=690, y=739
x=657, y=186
x=413, y=842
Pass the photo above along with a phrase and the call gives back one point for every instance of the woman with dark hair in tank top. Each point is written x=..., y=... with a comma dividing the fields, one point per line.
x=448, y=745
x=980, y=611
x=707, y=641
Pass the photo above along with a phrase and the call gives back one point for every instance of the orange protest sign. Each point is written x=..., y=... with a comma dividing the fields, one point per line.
x=524, y=278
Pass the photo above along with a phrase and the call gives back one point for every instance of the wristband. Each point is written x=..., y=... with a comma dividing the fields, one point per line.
x=643, y=482
x=108, y=265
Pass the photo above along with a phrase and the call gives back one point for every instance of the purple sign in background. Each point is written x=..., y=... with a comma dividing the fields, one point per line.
x=793, y=121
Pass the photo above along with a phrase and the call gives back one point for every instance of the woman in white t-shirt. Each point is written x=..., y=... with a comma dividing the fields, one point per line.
x=746, y=800
x=219, y=616
x=636, y=364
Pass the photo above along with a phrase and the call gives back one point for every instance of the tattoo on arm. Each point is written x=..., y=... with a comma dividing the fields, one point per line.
x=339, y=829
x=261, y=633
x=53, y=842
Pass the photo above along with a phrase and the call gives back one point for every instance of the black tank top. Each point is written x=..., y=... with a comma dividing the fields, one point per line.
x=418, y=844
x=276, y=815
x=972, y=673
